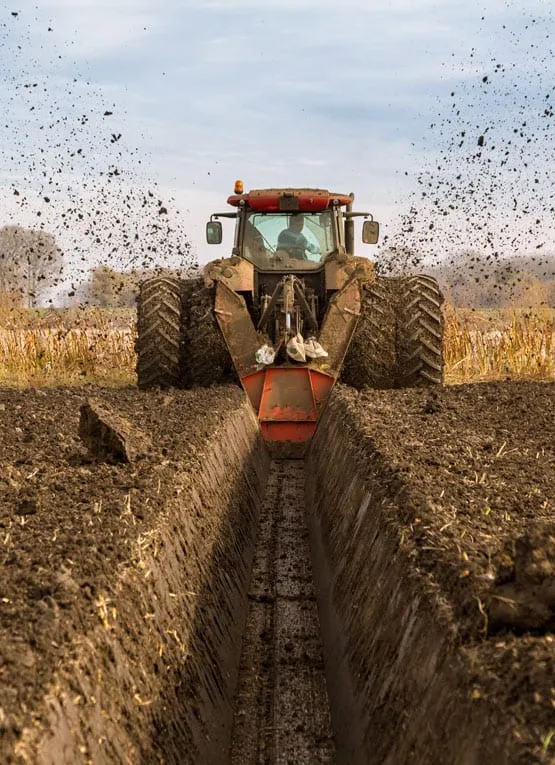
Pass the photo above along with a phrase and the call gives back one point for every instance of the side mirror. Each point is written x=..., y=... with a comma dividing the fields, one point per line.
x=214, y=232
x=370, y=231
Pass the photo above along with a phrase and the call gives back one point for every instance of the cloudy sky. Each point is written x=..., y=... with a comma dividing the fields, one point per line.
x=104, y=100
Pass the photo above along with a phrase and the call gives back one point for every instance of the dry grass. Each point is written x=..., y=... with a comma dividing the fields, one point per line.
x=75, y=347
x=66, y=349
x=498, y=346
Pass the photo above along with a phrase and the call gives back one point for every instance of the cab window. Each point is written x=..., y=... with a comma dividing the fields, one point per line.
x=288, y=240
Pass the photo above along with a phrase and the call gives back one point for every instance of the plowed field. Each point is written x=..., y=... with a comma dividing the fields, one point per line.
x=447, y=602
x=124, y=587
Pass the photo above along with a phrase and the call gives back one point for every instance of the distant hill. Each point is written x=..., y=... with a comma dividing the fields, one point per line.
x=484, y=281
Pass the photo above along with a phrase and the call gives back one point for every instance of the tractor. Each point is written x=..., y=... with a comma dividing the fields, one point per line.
x=289, y=313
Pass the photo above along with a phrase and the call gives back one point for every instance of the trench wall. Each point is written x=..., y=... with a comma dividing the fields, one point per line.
x=397, y=682
x=154, y=682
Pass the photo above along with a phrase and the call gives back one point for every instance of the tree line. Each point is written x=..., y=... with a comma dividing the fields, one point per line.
x=32, y=264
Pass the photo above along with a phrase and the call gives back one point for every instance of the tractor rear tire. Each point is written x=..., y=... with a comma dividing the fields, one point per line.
x=207, y=360
x=371, y=359
x=159, y=333
x=420, y=328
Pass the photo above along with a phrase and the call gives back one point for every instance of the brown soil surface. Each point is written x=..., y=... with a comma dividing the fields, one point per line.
x=479, y=465
x=281, y=707
x=75, y=533
x=123, y=587
x=448, y=523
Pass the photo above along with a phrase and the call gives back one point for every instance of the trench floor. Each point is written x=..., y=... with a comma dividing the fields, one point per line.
x=281, y=707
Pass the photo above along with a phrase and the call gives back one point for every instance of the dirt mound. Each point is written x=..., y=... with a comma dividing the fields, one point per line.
x=123, y=585
x=433, y=528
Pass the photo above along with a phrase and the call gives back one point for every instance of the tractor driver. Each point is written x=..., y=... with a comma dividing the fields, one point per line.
x=293, y=241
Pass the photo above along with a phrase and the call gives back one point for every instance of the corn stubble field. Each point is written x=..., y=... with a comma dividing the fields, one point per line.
x=75, y=346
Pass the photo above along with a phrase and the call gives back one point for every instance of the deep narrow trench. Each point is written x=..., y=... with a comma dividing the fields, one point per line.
x=281, y=706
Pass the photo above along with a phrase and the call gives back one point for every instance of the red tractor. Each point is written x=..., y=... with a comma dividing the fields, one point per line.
x=289, y=313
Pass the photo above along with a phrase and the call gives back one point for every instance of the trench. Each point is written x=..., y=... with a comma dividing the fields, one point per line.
x=277, y=621
x=281, y=705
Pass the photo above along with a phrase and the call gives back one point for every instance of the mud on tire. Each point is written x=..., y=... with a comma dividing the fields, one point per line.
x=371, y=358
x=419, y=332
x=159, y=333
x=206, y=359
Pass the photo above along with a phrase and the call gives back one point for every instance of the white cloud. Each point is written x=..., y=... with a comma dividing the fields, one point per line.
x=289, y=93
x=88, y=29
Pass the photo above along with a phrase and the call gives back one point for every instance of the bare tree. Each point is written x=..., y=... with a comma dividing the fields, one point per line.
x=109, y=288
x=30, y=262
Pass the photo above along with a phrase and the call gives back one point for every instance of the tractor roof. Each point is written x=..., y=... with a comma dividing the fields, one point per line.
x=289, y=200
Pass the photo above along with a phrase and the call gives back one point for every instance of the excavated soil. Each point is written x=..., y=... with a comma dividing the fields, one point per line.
x=123, y=587
x=433, y=529
x=132, y=631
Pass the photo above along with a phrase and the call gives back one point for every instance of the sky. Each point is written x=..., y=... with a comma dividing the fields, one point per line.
x=126, y=122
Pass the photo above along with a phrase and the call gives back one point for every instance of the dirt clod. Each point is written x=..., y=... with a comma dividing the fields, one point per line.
x=109, y=436
x=26, y=507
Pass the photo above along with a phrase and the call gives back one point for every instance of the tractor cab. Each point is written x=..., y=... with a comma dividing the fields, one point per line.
x=291, y=229
x=295, y=241
x=293, y=250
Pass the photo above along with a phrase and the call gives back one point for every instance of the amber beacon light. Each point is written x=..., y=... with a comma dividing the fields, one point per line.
x=238, y=187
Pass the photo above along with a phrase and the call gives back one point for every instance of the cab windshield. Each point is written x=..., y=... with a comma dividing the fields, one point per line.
x=296, y=241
